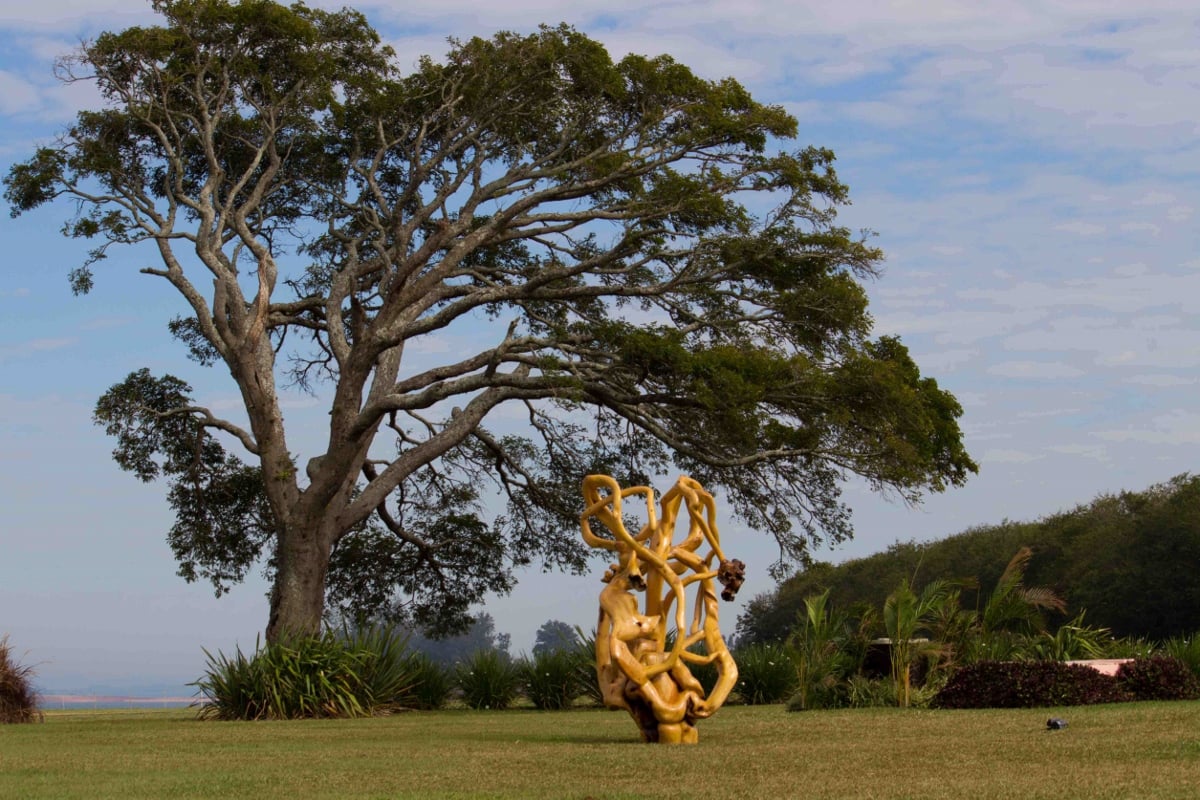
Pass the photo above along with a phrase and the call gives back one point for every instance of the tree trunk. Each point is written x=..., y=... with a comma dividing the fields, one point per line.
x=298, y=597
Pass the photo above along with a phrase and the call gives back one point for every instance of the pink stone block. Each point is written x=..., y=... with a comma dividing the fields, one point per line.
x=1105, y=666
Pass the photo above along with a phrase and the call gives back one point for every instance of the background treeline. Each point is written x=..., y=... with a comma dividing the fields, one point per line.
x=1131, y=561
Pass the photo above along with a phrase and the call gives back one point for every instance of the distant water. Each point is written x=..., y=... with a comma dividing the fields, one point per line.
x=49, y=702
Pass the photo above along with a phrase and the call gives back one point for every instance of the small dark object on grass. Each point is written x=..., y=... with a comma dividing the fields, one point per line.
x=1056, y=724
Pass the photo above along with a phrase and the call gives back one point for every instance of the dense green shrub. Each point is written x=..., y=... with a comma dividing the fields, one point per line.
x=488, y=679
x=1130, y=647
x=331, y=675
x=432, y=683
x=1160, y=677
x=384, y=668
x=827, y=692
x=18, y=700
x=1027, y=684
x=766, y=674
x=864, y=692
x=823, y=656
x=551, y=679
x=1186, y=649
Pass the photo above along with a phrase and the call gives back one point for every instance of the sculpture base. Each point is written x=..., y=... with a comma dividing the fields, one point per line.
x=679, y=733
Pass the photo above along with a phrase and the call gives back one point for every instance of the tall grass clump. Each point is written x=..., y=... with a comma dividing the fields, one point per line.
x=384, y=668
x=354, y=674
x=551, y=679
x=766, y=674
x=432, y=683
x=18, y=700
x=488, y=679
x=584, y=659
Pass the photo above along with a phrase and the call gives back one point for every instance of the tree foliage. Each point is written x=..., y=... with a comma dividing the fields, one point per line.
x=639, y=268
x=1128, y=559
x=555, y=635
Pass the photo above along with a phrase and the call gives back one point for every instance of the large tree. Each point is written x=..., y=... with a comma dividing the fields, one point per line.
x=641, y=265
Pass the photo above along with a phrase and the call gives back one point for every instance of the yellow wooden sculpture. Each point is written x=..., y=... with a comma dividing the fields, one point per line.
x=636, y=669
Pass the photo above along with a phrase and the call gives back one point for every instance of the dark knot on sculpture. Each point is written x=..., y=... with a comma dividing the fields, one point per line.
x=731, y=574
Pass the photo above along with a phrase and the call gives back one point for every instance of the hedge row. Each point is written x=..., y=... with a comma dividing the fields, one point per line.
x=1032, y=684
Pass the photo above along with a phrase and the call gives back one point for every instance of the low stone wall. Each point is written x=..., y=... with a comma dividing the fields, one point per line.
x=1105, y=666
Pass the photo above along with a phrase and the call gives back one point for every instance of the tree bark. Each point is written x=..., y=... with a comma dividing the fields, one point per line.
x=298, y=596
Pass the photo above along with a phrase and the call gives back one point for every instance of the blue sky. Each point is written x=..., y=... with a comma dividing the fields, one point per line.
x=1032, y=171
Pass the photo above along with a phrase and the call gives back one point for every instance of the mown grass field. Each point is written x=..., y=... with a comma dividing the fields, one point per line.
x=1137, y=750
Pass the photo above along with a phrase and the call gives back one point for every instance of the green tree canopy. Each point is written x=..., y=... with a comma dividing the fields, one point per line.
x=554, y=635
x=669, y=287
x=1127, y=559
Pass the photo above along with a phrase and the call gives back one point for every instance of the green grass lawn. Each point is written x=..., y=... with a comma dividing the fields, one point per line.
x=1136, y=750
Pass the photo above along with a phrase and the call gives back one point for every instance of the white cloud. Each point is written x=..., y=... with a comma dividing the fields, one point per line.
x=1131, y=270
x=1081, y=228
x=971, y=399
x=1038, y=370
x=945, y=360
x=1092, y=452
x=1001, y=456
x=74, y=15
x=17, y=95
x=1121, y=293
x=33, y=347
x=876, y=112
x=1051, y=412
x=1140, y=227
x=432, y=344
x=295, y=401
x=104, y=323
x=1160, y=380
x=1158, y=341
x=895, y=297
x=958, y=327
x=1176, y=427
x=1155, y=198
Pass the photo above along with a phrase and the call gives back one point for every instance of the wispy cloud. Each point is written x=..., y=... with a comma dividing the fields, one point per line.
x=105, y=323
x=1080, y=228
x=1002, y=456
x=17, y=95
x=34, y=347
x=1161, y=380
x=1035, y=370
x=1174, y=428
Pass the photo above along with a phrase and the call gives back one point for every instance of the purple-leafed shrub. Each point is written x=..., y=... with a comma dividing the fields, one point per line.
x=1158, y=678
x=1027, y=684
